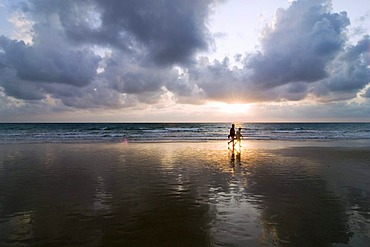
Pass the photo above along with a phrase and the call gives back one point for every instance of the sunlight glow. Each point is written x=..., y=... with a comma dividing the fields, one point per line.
x=234, y=108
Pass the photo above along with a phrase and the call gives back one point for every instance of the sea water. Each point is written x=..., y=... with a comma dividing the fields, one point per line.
x=149, y=132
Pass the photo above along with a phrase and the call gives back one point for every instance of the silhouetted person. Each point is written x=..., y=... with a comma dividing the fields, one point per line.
x=239, y=136
x=232, y=134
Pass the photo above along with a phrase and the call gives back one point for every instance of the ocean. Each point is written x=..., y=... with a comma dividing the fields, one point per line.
x=174, y=132
x=176, y=184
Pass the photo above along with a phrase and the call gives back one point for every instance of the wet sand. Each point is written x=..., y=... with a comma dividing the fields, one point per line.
x=270, y=193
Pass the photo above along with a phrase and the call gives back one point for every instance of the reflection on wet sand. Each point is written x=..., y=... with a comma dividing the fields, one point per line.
x=296, y=209
x=183, y=194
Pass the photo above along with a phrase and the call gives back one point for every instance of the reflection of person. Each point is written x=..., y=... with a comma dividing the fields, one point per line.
x=238, y=156
x=232, y=134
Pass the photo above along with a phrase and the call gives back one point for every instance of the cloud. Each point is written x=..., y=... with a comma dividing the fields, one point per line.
x=23, y=27
x=367, y=93
x=49, y=62
x=305, y=53
x=349, y=73
x=19, y=89
x=145, y=39
x=299, y=45
x=354, y=78
x=165, y=32
x=91, y=54
x=216, y=79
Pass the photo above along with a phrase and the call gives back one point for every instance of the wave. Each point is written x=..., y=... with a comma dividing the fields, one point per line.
x=107, y=132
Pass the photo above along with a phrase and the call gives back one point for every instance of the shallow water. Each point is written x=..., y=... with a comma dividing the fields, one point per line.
x=183, y=194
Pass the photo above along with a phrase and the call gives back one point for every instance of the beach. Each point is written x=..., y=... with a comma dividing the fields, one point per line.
x=268, y=193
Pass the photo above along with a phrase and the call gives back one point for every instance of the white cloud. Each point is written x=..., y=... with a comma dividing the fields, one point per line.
x=23, y=27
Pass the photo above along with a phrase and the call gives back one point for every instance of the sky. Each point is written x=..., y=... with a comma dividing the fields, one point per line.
x=184, y=60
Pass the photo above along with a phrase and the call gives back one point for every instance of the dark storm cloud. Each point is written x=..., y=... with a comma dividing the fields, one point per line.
x=367, y=93
x=350, y=73
x=166, y=31
x=31, y=72
x=41, y=64
x=145, y=38
x=304, y=39
x=19, y=89
x=172, y=30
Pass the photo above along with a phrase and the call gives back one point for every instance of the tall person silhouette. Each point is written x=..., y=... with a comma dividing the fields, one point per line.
x=231, y=135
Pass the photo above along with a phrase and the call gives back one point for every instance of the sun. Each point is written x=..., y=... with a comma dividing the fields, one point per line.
x=233, y=108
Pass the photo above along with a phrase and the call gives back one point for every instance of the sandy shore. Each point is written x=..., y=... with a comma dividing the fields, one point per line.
x=271, y=193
